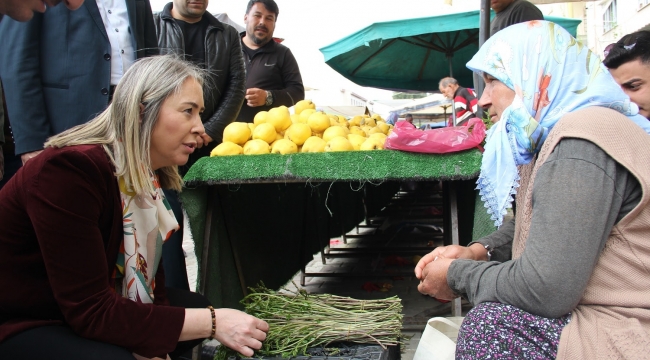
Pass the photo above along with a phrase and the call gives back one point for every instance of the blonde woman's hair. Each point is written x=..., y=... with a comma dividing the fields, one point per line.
x=124, y=129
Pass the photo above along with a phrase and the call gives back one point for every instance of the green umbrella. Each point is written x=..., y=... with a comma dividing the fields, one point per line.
x=413, y=54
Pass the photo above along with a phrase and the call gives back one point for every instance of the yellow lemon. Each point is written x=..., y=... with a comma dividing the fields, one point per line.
x=332, y=132
x=284, y=146
x=370, y=122
x=339, y=143
x=295, y=118
x=237, y=132
x=303, y=105
x=356, y=140
x=256, y=146
x=357, y=130
x=343, y=121
x=252, y=127
x=356, y=120
x=381, y=137
x=371, y=144
x=375, y=130
x=318, y=121
x=260, y=117
x=383, y=127
x=313, y=144
x=279, y=117
x=305, y=114
x=226, y=148
x=298, y=133
x=265, y=132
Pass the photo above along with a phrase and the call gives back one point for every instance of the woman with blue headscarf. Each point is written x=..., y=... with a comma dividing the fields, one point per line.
x=569, y=277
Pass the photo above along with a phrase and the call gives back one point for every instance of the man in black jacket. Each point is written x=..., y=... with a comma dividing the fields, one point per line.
x=510, y=12
x=272, y=74
x=187, y=29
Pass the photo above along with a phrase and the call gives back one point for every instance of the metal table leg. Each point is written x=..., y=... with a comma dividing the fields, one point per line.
x=456, y=309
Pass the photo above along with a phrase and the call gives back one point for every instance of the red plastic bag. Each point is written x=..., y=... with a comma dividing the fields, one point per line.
x=407, y=137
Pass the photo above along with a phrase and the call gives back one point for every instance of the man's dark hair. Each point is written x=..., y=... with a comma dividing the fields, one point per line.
x=631, y=47
x=408, y=116
x=270, y=5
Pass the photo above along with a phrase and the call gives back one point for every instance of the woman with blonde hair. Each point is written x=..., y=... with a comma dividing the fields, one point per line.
x=83, y=227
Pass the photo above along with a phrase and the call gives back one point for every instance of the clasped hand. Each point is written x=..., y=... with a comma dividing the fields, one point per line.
x=432, y=269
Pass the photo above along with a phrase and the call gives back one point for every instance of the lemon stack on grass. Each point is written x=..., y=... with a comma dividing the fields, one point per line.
x=277, y=131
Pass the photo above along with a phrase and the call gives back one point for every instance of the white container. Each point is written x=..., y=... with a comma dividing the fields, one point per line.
x=438, y=341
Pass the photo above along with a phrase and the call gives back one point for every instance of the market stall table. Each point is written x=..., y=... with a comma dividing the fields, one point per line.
x=239, y=242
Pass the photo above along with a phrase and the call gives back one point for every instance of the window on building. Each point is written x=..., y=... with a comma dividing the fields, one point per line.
x=609, y=17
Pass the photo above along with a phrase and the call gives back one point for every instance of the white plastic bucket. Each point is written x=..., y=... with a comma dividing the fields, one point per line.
x=438, y=340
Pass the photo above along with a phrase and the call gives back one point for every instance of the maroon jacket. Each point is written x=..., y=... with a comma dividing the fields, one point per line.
x=61, y=221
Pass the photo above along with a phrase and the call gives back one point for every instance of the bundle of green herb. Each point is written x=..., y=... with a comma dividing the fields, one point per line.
x=298, y=320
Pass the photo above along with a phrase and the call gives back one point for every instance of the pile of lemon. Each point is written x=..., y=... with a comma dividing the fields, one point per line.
x=306, y=130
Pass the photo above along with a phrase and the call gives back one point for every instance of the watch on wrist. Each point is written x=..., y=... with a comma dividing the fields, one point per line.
x=489, y=250
x=269, y=98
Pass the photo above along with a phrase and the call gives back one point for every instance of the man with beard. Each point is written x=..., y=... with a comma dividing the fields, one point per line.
x=272, y=74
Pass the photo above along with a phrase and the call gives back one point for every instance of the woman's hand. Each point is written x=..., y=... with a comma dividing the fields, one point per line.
x=433, y=279
x=239, y=331
x=449, y=252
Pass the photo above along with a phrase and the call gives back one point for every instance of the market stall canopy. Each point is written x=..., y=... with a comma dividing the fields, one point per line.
x=413, y=54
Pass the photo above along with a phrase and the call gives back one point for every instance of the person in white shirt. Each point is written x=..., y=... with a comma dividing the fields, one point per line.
x=59, y=68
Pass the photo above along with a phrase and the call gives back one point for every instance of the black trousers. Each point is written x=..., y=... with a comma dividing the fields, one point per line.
x=60, y=342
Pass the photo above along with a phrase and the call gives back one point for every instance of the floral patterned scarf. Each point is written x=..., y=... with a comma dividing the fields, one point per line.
x=148, y=222
x=552, y=74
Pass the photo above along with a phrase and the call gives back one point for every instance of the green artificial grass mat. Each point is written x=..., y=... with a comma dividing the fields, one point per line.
x=377, y=165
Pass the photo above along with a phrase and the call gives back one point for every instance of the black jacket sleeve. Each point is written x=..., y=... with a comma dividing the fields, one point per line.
x=150, y=45
x=233, y=96
x=293, y=90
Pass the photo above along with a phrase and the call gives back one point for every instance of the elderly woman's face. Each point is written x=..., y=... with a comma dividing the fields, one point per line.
x=496, y=97
x=175, y=133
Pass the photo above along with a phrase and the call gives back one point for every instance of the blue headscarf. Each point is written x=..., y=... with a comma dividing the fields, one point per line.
x=552, y=74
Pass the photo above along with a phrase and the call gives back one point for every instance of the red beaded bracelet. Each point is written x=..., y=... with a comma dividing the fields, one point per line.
x=214, y=322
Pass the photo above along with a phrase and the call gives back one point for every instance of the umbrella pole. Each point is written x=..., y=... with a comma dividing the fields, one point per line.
x=453, y=108
x=453, y=112
x=483, y=35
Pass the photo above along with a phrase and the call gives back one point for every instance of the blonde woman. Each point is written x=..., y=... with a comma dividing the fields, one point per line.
x=83, y=227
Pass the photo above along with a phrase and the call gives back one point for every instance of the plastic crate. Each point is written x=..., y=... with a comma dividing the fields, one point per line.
x=338, y=351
